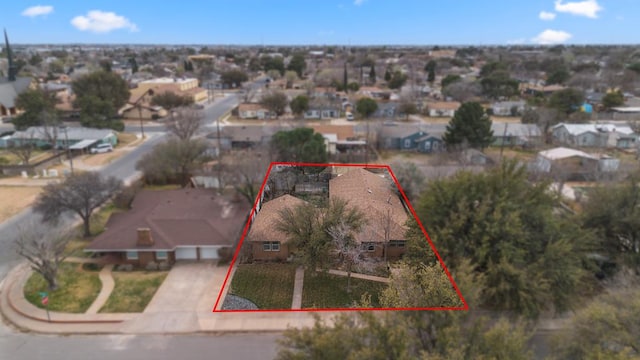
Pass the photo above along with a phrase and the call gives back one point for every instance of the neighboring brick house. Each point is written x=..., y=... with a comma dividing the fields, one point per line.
x=268, y=243
x=385, y=213
x=171, y=225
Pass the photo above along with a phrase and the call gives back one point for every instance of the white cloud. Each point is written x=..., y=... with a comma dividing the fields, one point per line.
x=102, y=22
x=38, y=10
x=550, y=37
x=358, y=2
x=547, y=15
x=588, y=8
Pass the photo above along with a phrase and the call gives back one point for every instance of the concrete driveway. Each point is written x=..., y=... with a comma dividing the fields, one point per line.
x=187, y=294
x=190, y=286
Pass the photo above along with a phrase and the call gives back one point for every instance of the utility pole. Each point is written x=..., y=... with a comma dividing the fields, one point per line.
x=66, y=140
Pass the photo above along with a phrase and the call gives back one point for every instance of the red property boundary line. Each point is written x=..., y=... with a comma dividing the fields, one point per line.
x=406, y=200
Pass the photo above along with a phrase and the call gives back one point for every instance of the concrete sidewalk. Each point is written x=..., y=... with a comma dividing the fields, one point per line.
x=17, y=310
x=106, y=278
x=296, y=303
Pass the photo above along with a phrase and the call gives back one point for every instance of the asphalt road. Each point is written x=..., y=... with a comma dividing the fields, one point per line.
x=14, y=346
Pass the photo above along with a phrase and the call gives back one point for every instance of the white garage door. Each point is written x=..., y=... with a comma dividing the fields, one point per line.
x=208, y=253
x=186, y=253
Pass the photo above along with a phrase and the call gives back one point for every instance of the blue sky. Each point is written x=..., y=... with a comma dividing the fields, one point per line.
x=323, y=22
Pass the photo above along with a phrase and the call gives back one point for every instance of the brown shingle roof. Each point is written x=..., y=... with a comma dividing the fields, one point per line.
x=184, y=217
x=263, y=226
x=375, y=197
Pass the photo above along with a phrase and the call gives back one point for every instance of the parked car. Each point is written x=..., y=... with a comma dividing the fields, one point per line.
x=350, y=117
x=101, y=148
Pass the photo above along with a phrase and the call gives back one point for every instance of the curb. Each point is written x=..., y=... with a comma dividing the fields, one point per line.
x=5, y=290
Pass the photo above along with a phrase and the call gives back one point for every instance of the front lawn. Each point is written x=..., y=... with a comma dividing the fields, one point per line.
x=323, y=291
x=269, y=286
x=133, y=291
x=77, y=289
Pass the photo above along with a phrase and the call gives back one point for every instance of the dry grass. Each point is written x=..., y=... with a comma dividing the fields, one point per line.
x=14, y=199
x=125, y=139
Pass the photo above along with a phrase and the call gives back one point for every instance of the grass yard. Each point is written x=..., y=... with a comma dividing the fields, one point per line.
x=133, y=291
x=324, y=291
x=77, y=289
x=269, y=286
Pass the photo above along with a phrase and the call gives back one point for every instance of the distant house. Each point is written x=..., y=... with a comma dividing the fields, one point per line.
x=180, y=86
x=515, y=134
x=508, y=108
x=322, y=112
x=574, y=164
x=12, y=85
x=535, y=89
x=386, y=110
x=145, y=112
x=595, y=135
x=266, y=241
x=443, y=108
x=171, y=225
x=254, y=111
x=374, y=92
x=385, y=213
x=243, y=137
x=417, y=138
x=339, y=138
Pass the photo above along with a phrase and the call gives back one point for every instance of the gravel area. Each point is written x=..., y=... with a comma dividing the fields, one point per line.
x=232, y=302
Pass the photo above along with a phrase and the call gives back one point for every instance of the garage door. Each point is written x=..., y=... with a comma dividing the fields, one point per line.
x=208, y=253
x=186, y=253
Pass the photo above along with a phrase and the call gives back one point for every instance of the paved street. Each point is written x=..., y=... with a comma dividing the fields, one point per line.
x=158, y=347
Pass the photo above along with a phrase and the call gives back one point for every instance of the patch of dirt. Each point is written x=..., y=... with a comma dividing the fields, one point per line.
x=100, y=159
x=14, y=199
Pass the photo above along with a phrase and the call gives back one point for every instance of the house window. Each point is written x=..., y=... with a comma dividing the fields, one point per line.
x=271, y=246
x=427, y=145
x=132, y=255
x=397, y=243
x=161, y=255
x=407, y=143
x=369, y=247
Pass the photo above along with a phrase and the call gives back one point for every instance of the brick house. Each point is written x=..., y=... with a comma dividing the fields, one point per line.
x=171, y=225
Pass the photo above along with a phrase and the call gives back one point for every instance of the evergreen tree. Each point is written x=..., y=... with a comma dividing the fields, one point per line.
x=372, y=74
x=470, y=125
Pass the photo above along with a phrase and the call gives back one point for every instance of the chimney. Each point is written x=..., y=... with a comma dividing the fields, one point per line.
x=144, y=237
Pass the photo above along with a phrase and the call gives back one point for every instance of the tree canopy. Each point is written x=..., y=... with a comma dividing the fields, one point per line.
x=613, y=99
x=276, y=102
x=299, y=105
x=530, y=257
x=99, y=96
x=366, y=107
x=299, y=145
x=170, y=100
x=36, y=104
x=297, y=64
x=172, y=161
x=566, y=100
x=80, y=193
x=234, y=78
x=470, y=126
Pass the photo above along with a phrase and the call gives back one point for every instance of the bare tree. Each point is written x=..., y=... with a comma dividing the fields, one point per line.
x=50, y=128
x=81, y=193
x=23, y=146
x=247, y=172
x=185, y=123
x=346, y=248
x=43, y=247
